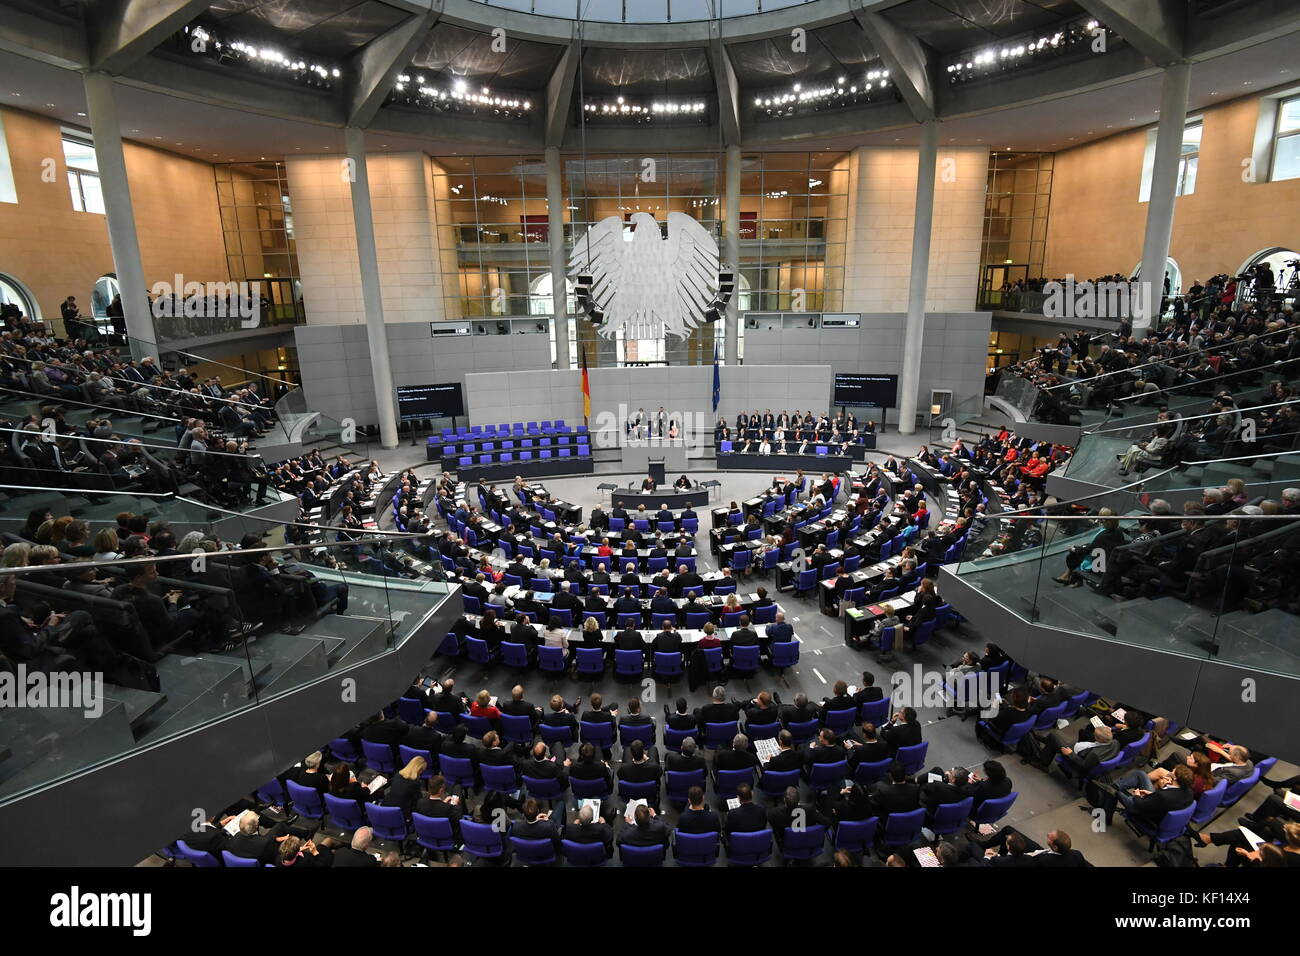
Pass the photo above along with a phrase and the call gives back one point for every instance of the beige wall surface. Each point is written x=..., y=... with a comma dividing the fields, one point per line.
x=1097, y=222
x=56, y=251
x=401, y=187
x=882, y=206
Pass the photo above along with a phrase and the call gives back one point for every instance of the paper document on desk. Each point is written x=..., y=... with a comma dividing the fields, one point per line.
x=1253, y=838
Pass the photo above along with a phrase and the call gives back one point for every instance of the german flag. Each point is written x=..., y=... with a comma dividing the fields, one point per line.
x=586, y=391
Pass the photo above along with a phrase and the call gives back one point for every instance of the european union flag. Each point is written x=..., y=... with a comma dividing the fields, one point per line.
x=717, y=379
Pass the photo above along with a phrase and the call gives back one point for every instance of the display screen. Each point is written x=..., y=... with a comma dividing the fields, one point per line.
x=429, y=401
x=866, y=391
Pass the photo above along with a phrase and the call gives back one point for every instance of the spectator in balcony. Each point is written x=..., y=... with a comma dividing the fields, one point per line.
x=1095, y=552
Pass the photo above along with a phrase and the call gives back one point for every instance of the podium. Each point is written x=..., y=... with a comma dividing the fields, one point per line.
x=655, y=469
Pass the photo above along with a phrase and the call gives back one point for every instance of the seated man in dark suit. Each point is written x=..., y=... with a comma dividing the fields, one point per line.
x=249, y=843
x=688, y=580
x=448, y=700
x=630, y=580
x=663, y=514
x=740, y=756
x=779, y=632
x=668, y=641
x=536, y=824
x=426, y=736
x=824, y=748
x=951, y=789
x=897, y=794
x=993, y=785
x=903, y=730
x=645, y=830
x=717, y=711
x=599, y=713
x=663, y=604
x=438, y=803
x=868, y=692
x=787, y=756
x=871, y=749
x=565, y=600
x=640, y=765
x=841, y=699
x=634, y=717
x=799, y=712
x=686, y=760
x=542, y=764
x=744, y=635
x=358, y=854
x=524, y=633
x=790, y=814
x=697, y=817
x=749, y=817
x=629, y=603
x=587, y=827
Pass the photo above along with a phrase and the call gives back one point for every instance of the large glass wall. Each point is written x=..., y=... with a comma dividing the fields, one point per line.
x=1015, y=226
x=257, y=223
x=494, y=234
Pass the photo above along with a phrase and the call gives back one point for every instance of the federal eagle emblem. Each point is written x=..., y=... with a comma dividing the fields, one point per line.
x=646, y=284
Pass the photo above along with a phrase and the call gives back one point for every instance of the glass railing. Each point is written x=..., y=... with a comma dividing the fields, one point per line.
x=1096, y=402
x=177, y=328
x=1212, y=587
x=1020, y=393
x=1107, y=455
x=944, y=427
x=131, y=652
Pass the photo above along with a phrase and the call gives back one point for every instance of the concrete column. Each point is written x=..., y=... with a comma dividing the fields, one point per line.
x=1164, y=183
x=731, y=253
x=559, y=263
x=371, y=296
x=926, y=160
x=107, y=133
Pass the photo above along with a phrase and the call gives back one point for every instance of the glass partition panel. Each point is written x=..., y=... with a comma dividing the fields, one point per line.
x=127, y=652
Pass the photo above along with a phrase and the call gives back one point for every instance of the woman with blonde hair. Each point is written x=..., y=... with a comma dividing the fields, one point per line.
x=16, y=555
x=107, y=545
x=404, y=788
x=1235, y=490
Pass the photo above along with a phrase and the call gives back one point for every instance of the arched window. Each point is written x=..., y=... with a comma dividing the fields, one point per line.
x=105, y=290
x=1277, y=258
x=13, y=292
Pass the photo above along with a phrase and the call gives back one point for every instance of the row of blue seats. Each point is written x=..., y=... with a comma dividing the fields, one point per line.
x=1208, y=805
x=505, y=457
x=504, y=429
x=509, y=444
x=591, y=661
x=695, y=620
x=716, y=736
